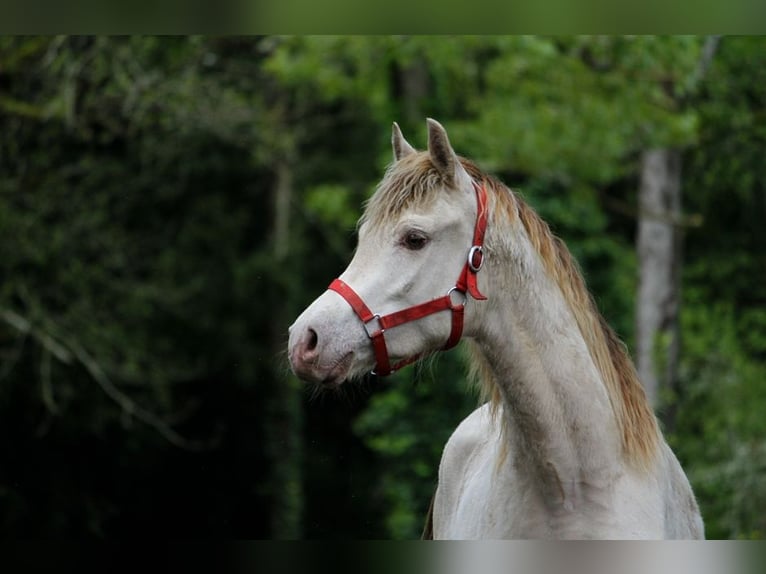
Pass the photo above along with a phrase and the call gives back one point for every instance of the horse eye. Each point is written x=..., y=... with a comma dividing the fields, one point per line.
x=414, y=240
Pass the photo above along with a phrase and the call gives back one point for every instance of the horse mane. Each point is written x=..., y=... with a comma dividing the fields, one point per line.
x=413, y=182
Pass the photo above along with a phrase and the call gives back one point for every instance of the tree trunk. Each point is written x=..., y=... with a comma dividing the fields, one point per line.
x=284, y=416
x=658, y=333
x=413, y=89
x=659, y=260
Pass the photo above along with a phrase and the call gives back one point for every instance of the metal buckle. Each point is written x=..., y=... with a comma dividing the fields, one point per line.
x=380, y=329
x=473, y=251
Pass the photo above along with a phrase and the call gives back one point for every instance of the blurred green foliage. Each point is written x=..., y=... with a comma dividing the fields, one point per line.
x=147, y=285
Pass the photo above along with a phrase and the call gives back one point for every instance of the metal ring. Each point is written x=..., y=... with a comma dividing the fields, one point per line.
x=475, y=249
x=463, y=293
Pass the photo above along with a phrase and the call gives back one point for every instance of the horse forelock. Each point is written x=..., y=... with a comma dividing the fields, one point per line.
x=411, y=182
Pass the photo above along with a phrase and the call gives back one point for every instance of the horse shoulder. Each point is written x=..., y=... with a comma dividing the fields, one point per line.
x=467, y=450
x=657, y=505
x=462, y=445
x=682, y=515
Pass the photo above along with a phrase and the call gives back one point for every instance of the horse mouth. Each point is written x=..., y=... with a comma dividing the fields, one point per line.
x=338, y=372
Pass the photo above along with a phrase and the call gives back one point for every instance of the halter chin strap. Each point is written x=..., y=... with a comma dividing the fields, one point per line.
x=454, y=300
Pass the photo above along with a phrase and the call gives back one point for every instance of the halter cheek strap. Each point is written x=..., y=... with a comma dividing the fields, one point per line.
x=376, y=326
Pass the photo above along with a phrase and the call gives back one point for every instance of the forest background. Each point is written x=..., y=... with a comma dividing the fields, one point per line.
x=168, y=205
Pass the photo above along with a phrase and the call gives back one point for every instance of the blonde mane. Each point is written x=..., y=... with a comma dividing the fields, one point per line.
x=411, y=182
x=414, y=182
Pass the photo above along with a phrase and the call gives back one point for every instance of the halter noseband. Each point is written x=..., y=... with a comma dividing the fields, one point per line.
x=376, y=326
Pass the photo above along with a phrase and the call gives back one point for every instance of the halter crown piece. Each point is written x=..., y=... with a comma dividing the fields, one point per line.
x=376, y=326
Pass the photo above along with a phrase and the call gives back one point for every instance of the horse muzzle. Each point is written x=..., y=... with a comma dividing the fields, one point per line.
x=313, y=356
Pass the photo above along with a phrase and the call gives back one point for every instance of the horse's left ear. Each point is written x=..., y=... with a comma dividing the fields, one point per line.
x=400, y=145
x=443, y=156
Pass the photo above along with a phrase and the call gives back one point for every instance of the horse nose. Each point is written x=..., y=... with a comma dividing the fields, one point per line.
x=304, y=354
x=310, y=341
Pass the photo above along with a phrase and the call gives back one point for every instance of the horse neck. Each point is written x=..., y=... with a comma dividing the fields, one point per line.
x=555, y=401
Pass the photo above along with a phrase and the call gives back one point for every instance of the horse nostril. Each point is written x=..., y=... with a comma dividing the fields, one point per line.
x=312, y=340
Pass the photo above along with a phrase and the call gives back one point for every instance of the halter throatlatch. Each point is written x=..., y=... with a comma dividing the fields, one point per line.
x=454, y=300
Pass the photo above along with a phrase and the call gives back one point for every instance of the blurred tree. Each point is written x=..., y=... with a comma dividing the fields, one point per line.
x=720, y=429
x=659, y=238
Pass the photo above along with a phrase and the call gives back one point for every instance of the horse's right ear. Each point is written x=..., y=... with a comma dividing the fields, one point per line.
x=400, y=145
x=444, y=157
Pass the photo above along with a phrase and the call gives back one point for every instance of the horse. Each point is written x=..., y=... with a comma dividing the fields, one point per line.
x=566, y=445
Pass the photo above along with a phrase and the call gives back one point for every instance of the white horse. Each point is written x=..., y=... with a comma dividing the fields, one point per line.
x=567, y=445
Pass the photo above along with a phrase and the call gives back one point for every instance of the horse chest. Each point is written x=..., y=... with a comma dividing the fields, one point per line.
x=481, y=498
x=478, y=499
x=498, y=504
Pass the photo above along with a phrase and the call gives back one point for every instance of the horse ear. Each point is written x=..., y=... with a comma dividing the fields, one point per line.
x=400, y=145
x=442, y=155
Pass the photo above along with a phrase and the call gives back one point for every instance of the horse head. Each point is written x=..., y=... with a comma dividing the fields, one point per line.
x=410, y=287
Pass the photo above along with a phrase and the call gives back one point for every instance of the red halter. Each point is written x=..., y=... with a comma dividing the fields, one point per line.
x=466, y=283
